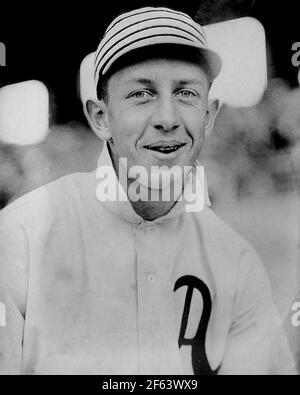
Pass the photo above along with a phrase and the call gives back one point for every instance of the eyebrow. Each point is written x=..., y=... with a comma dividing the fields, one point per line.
x=147, y=81
x=189, y=82
x=144, y=81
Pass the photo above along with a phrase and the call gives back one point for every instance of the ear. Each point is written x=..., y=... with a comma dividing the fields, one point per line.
x=212, y=112
x=97, y=117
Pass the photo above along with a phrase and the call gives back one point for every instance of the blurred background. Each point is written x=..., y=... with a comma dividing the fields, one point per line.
x=252, y=159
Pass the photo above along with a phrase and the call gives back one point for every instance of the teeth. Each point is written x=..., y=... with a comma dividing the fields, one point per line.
x=166, y=149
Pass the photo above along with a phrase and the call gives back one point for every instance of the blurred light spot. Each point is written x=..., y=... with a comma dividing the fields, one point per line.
x=241, y=44
x=24, y=113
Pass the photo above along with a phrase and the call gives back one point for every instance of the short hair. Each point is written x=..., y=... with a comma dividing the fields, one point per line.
x=163, y=51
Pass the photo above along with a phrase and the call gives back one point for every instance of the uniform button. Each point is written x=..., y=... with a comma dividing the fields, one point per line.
x=151, y=278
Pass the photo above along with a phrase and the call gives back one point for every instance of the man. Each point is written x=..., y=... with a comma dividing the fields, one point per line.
x=136, y=283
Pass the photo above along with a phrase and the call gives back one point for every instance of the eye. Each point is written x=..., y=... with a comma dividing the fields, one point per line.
x=187, y=94
x=141, y=95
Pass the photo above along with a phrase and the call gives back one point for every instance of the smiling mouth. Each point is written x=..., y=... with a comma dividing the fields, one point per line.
x=165, y=148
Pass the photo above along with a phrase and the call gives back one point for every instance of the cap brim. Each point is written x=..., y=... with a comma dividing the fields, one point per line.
x=214, y=62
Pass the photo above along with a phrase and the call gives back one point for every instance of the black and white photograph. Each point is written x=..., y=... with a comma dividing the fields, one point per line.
x=149, y=191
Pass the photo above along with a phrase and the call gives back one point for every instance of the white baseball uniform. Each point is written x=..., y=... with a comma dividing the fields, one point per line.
x=89, y=287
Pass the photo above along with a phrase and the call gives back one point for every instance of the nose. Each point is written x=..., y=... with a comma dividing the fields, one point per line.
x=165, y=117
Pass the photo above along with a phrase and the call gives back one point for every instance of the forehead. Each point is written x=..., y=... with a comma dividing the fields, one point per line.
x=160, y=70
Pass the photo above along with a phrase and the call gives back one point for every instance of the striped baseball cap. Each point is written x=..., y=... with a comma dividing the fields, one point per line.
x=150, y=26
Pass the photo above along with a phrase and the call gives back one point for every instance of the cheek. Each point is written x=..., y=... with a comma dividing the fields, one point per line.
x=127, y=128
x=124, y=135
x=195, y=125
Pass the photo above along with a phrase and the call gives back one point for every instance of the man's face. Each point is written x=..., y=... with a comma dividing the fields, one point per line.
x=156, y=113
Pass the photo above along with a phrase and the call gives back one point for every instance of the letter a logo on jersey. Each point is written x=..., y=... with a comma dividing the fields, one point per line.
x=199, y=358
